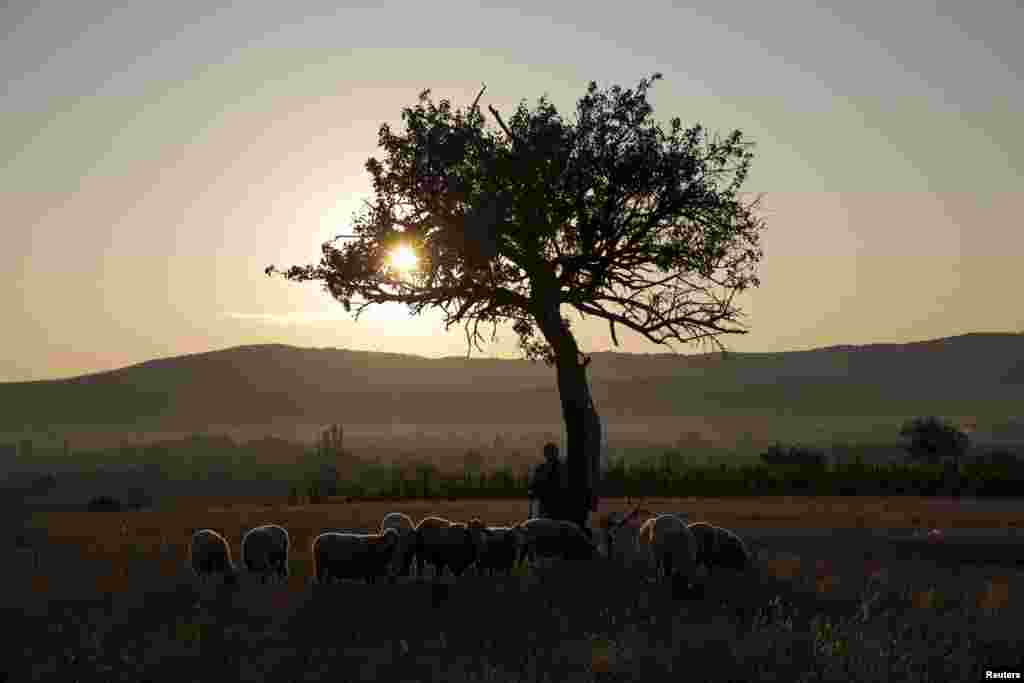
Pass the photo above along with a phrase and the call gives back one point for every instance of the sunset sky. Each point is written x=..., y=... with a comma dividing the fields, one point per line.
x=156, y=159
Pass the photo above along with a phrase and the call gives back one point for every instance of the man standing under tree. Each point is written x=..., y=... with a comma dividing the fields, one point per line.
x=546, y=484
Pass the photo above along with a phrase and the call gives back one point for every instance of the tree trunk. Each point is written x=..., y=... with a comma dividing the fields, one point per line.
x=582, y=423
x=592, y=444
x=583, y=440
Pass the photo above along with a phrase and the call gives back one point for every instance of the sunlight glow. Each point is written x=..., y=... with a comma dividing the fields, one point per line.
x=403, y=258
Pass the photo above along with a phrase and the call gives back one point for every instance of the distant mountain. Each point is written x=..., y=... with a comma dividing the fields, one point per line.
x=967, y=374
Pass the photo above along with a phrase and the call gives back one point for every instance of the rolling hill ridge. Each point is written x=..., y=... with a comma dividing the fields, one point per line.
x=967, y=374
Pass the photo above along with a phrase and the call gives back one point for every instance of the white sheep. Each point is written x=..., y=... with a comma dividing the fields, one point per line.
x=720, y=548
x=555, y=538
x=499, y=547
x=210, y=556
x=446, y=544
x=402, y=523
x=342, y=555
x=670, y=546
x=265, y=552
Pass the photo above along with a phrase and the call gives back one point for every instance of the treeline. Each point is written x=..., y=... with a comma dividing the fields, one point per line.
x=935, y=462
x=621, y=480
x=398, y=482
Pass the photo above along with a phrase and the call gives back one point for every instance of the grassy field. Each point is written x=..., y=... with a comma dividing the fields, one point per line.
x=110, y=598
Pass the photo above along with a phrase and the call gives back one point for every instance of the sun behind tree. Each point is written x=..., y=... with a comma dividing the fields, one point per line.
x=403, y=258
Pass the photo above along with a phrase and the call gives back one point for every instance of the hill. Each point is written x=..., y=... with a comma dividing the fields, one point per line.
x=972, y=374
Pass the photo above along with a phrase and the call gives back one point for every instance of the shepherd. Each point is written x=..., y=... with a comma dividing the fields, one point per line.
x=545, y=488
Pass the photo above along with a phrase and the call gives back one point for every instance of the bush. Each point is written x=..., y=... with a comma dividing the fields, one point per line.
x=1001, y=457
x=104, y=504
x=794, y=455
x=933, y=440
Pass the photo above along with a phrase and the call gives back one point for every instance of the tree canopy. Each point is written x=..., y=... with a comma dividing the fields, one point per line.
x=611, y=216
x=933, y=440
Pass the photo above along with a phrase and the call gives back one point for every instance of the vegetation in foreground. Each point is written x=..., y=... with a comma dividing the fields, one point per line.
x=537, y=625
x=120, y=606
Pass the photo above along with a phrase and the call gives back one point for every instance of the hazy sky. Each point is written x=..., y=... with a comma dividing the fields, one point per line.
x=155, y=159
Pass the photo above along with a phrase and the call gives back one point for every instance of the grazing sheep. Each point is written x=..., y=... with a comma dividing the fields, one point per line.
x=706, y=537
x=426, y=529
x=555, y=538
x=732, y=552
x=444, y=543
x=210, y=555
x=402, y=523
x=670, y=546
x=500, y=547
x=621, y=533
x=340, y=555
x=265, y=552
x=720, y=548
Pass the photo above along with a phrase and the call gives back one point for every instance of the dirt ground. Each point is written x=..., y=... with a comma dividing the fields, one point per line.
x=796, y=512
x=976, y=532
x=771, y=517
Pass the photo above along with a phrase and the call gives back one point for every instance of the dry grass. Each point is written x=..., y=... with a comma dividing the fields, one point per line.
x=149, y=613
x=114, y=537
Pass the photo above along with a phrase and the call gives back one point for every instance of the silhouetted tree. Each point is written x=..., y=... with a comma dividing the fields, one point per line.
x=611, y=216
x=933, y=440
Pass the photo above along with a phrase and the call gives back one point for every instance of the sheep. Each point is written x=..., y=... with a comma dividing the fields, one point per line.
x=620, y=533
x=721, y=548
x=425, y=535
x=500, y=547
x=210, y=555
x=341, y=555
x=444, y=543
x=669, y=546
x=265, y=552
x=551, y=538
x=402, y=523
x=705, y=535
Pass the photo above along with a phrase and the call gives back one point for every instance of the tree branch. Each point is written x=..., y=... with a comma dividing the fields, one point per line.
x=501, y=123
x=473, y=106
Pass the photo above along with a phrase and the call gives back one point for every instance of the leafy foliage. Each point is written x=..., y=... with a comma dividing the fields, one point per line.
x=933, y=440
x=507, y=226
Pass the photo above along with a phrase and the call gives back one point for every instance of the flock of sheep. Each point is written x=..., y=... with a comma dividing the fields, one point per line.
x=664, y=543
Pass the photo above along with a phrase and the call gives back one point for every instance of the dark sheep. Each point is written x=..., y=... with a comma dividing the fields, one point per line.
x=367, y=557
x=265, y=552
x=555, y=538
x=210, y=556
x=446, y=544
x=402, y=523
x=500, y=548
x=720, y=548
